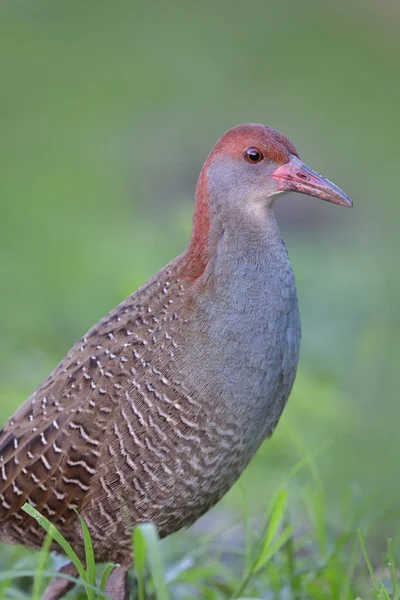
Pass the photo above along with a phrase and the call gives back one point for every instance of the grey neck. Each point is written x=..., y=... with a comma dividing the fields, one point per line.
x=248, y=297
x=246, y=246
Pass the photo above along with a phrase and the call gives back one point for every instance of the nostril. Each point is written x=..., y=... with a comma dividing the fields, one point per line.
x=301, y=175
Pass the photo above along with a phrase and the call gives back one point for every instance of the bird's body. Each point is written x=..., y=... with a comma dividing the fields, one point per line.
x=117, y=406
x=154, y=414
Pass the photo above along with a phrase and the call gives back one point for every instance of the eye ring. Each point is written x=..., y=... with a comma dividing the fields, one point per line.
x=253, y=155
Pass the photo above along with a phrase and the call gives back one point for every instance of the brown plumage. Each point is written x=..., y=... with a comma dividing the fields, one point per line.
x=153, y=415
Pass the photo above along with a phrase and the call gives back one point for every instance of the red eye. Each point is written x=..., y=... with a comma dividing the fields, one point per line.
x=253, y=155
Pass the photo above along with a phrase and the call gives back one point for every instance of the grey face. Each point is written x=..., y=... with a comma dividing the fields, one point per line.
x=239, y=183
x=237, y=180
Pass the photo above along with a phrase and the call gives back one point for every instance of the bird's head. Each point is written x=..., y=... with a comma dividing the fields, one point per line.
x=256, y=163
x=242, y=176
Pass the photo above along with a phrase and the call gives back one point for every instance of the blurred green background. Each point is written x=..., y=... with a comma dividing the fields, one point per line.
x=107, y=112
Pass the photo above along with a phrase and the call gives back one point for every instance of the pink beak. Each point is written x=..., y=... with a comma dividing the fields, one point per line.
x=295, y=176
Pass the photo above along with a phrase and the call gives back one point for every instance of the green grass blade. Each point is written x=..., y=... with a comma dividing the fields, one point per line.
x=104, y=577
x=43, y=556
x=15, y=594
x=268, y=547
x=90, y=576
x=392, y=567
x=291, y=567
x=383, y=592
x=32, y=572
x=274, y=548
x=47, y=573
x=366, y=557
x=146, y=542
x=139, y=552
x=276, y=517
x=351, y=568
x=56, y=535
x=246, y=523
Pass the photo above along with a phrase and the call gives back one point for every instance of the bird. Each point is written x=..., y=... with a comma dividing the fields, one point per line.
x=154, y=414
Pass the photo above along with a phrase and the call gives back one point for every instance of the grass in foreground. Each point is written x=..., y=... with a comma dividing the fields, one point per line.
x=289, y=558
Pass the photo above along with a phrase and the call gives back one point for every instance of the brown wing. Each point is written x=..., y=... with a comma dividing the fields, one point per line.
x=49, y=449
x=55, y=443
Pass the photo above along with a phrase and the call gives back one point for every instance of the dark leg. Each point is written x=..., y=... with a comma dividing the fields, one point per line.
x=117, y=584
x=60, y=586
